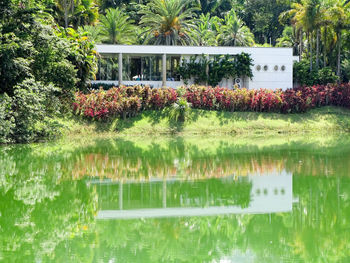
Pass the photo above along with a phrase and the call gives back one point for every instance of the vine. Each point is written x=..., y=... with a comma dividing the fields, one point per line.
x=220, y=67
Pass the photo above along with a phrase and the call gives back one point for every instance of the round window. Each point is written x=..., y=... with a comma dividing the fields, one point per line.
x=258, y=67
x=266, y=68
x=283, y=68
x=275, y=68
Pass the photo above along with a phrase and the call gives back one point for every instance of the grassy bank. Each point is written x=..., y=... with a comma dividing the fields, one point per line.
x=321, y=120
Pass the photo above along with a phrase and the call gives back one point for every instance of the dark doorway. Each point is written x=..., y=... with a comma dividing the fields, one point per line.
x=135, y=68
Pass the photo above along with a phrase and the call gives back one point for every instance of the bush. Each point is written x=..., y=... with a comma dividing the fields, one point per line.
x=180, y=110
x=326, y=76
x=32, y=105
x=302, y=74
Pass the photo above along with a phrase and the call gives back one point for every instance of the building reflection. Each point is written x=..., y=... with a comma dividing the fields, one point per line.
x=253, y=194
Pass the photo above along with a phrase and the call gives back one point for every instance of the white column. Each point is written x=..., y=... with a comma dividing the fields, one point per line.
x=207, y=68
x=164, y=192
x=120, y=69
x=120, y=195
x=164, y=70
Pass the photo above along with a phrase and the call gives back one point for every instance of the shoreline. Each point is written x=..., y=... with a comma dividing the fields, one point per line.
x=325, y=120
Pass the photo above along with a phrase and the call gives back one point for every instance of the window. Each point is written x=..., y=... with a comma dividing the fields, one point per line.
x=107, y=68
x=172, y=65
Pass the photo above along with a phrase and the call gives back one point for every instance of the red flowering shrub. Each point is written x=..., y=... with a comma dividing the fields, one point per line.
x=161, y=98
x=128, y=101
x=234, y=100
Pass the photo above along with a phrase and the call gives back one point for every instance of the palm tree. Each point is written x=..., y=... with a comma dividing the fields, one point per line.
x=323, y=23
x=117, y=28
x=234, y=32
x=207, y=30
x=306, y=15
x=319, y=12
x=168, y=22
x=340, y=21
x=286, y=18
x=289, y=38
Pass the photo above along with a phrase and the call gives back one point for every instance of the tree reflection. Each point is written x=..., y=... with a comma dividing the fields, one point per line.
x=49, y=203
x=37, y=211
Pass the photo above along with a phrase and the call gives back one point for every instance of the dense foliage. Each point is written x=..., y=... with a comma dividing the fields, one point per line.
x=212, y=70
x=303, y=76
x=39, y=63
x=317, y=30
x=128, y=101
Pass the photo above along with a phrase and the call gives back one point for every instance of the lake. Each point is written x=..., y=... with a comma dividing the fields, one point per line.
x=214, y=199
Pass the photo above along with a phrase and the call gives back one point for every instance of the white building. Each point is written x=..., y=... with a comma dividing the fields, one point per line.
x=156, y=65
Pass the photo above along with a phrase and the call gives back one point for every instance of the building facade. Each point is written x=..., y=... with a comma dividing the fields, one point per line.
x=157, y=66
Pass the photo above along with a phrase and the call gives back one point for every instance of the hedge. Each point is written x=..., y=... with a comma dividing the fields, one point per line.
x=128, y=101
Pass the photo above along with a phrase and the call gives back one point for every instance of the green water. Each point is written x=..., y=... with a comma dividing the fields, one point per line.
x=176, y=200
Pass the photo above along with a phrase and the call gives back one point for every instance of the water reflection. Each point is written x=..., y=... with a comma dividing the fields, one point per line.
x=253, y=194
x=201, y=201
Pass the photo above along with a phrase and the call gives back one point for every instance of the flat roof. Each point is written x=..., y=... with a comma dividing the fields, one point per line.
x=284, y=206
x=190, y=50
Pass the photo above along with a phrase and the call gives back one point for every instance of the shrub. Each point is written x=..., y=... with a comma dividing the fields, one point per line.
x=128, y=101
x=326, y=76
x=302, y=74
x=32, y=105
x=180, y=110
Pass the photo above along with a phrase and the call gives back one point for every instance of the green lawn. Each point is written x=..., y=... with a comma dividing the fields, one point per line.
x=322, y=120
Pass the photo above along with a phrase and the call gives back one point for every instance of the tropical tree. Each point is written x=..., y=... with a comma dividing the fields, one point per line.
x=65, y=9
x=324, y=23
x=306, y=15
x=340, y=21
x=92, y=32
x=117, y=27
x=234, y=32
x=208, y=28
x=169, y=22
x=76, y=12
x=85, y=13
x=289, y=38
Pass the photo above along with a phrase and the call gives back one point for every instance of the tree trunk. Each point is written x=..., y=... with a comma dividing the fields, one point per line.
x=301, y=45
x=317, y=47
x=325, y=47
x=73, y=7
x=65, y=13
x=310, y=48
x=338, y=56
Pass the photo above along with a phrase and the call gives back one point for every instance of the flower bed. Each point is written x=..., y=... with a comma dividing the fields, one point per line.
x=128, y=101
